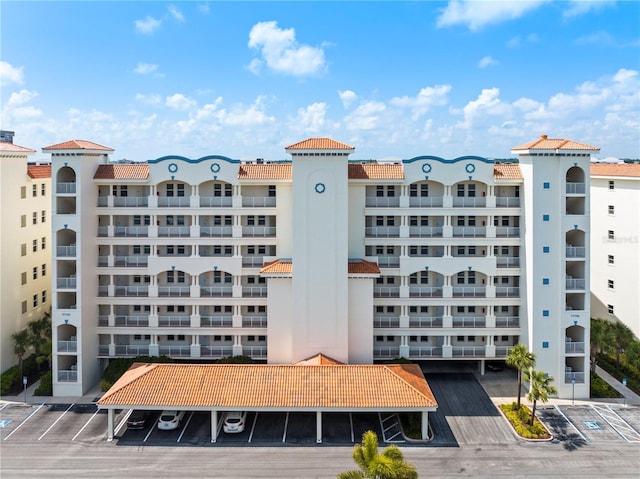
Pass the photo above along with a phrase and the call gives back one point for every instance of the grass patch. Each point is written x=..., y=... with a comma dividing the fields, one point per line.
x=520, y=419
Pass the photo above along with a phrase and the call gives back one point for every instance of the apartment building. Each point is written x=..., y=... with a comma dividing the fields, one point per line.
x=615, y=243
x=424, y=258
x=25, y=242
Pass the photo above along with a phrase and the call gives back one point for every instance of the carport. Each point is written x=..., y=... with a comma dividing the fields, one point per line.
x=318, y=385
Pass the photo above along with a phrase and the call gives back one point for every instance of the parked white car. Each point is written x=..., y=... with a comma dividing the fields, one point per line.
x=234, y=421
x=170, y=420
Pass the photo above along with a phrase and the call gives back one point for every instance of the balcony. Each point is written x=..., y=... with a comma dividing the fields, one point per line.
x=173, y=201
x=574, y=376
x=575, y=188
x=215, y=201
x=507, y=262
x=507, y=201
x=575, y=283
x=254, y=321
x=508, y=231
x=131, y=231
x=125, y=290
x=574, y=347
x=67, y=375
x=253, y=261
x=469, y=291
x=425, y=231
x=425, y=321
x=386, y=291
x=175, y=351
x=468, y=351
x=131, y=201
x=507, y=292
x=469, y=322
x=129, y=261
x=382, y=231
x=68, y=346
x=503, y=351
x=174, y=231
x=425, y=201
x=418, y=352
x=386, y=322
x=386, y=352
x=66, y=188
x=507, y=322
x=258, y=201
x=388, y=261
x=575, y=251
x=382, y=201
x=254, y=291
x=216, y=231
x=255, y=352
x=66, y=251
x=171, y=321
x=174, y=291
x=469, y=231
x=258, y=231
x=215, y=351
x=425, y=291
x=66, y=283
x=470, y=201
x=132, y=321
x=132, y=350
x=216, y=291
x=216, y=321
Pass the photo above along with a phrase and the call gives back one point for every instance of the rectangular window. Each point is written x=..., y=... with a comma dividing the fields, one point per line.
x=611, y=259
x=23, y=278
x=43, y=270
x=34, y=245
x=23, y=249
x=43, y=189
x=379, y=191
x=34, y=190
x=23, y=192
x=271, y=191
x=23, y=221
x=34, y=218
x=180, y=189
x=545, y=217
x=24, y=307
x=546, y=185
x=35, y=300
x=545, y=281
x=43, y=216
x=44, y=297
x=460, y=191
x=43, y=243
x=611, y=209
x=545, y=344
x=611, y=234
x=391, y=221
x=391, y=191
x=546, y=249
x=610, y=308
x=170, y=191
x=35, y=272
x=471, y=191
x=612, y=185
x=610, y=284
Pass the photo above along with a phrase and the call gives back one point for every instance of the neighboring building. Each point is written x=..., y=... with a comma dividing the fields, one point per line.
x=615, y=243
x=424, y=258
x=25, y=242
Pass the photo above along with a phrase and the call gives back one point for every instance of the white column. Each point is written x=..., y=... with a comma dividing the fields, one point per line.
x=214, y=426
x=109, y=424
x=424, y=428
x=319, y=427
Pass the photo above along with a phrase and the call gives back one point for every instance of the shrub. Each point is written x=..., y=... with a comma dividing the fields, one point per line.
x=46, y=385
x=519, y=420
x=236, y=360
x=105, y=385
x=608, y=363
x=601, y=389
x=9, y=380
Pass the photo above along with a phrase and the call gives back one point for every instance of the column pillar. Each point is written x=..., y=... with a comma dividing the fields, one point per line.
x=109, y=424
x=424, y=426
x=319, y=427
x=214, y=426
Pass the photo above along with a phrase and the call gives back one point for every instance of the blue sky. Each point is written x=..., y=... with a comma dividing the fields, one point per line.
x=393, y=79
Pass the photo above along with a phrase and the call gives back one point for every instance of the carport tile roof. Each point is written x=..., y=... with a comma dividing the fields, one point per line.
x=266, y=386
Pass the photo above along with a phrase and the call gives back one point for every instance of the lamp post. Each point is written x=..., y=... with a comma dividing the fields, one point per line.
x=24, y=385
x=573, y=389
x=624, y=390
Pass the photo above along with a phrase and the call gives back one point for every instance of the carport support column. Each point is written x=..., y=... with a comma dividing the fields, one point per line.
x=319, y=427
x=109, y=424
x=424, y=427
x=214, y=425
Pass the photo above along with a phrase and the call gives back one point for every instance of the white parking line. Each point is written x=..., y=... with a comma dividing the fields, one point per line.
x=584, y=438
x=153, y=426
x=25, y=420
x=619, y=425
x=85, y=425
x=286, y=423
x=253, y=427
x=184, y=429
x=56, y=421
x=123, y=422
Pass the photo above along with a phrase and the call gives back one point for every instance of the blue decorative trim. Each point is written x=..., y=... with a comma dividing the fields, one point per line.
x=470, y=168
x=426, y=168
x=215, y=167
x=199, y=160
x=172, y=167
x=455, y=160
x=320, y=188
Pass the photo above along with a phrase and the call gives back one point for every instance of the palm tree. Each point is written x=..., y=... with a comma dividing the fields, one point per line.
x=520, y=358
x=539, y=388
x=602, y=338
x=21, y=341
x=633, y=354
x=622, y=338
x=373, y=465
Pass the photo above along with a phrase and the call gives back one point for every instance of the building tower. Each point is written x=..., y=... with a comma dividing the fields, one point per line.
x=557, y=230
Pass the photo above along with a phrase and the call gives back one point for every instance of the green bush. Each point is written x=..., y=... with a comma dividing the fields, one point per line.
x=46, y=385
x=601, y=389
x=412, y=424
x=608, y=363
x=236, y=360
x=105, y=385
x=519, y=419
x=9, y=380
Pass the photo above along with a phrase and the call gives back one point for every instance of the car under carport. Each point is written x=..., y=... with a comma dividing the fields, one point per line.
x=319, y=384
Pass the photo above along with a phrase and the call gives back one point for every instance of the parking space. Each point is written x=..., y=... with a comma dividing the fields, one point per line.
x=560, y=426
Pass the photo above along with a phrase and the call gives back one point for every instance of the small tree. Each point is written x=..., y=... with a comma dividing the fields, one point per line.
x=539, y=389
x=520, y=358
x=21, y=341
x=390, y=464
x=622, y=338
x=601, y=340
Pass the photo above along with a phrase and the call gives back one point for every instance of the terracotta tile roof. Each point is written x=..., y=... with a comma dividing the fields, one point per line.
x=279, y=266
x=375, y=171
x=615, y=169
x=131, y=171
x=363, y=267
x=5, y=146
x=319, y=144
x=318, y=360
x=39, y=171
x=271, y=171
x=77, y=145
x=507, y=171
x=271, y=386
x=544, y=143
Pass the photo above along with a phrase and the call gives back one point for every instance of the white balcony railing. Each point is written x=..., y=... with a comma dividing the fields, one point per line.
x=174, y=231
x=508, y=231
x=425, y=321
x=66, y=188
x=66, y=251
x=131, y=231
x=507, y=262
x=574, y=376
x=382, y=201
x=216, y=291
x=132, y=349
x=127, y=290
x=575, y=283
x=258, y=201
x=255, y=352
x=67, y=375
x=469, y=291
x=507, y=201
x=575, y=188
x=386, y=291
x=417, y=352
x=470, y=231
x=131, y=261
x=468, y=351
x=216, y=321
x=174, y=321
x=258, y=231
x=254, y=291
x=175, y=351
x=215, y=351
x=507, y=322
x=180, y=291
x=67, y=346
x=131, y=201
x=386, y=352
x=575, y=251
x=469, y=322
x=425, y=231
x=574, y=347
x=173, y=201
x=382, y=231
x=216, y=231
x=254, y=321
x=388, y=261
x=425, y=291
x=132, y=321
x=215, y=201
x=66, y=283
x=507, y=292
x=503, y=351
x=386, y=322
x=425, y=201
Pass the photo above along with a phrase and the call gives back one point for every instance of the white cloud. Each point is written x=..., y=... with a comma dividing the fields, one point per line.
x=204, y=8
x=479, y=111
x=10, y=74
x=580, y=7
x=23, y=96
x=176, y=14
x=426, y=98
x=366, y=116
x=148, y=26
x=478, y=14
x=149, y=99
x=145, y=68
x=600, y=38
x=487, y=62
x=26, y=113
x=178, y=101
x=280, y=52
x=311, y=118
x=347, y=97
